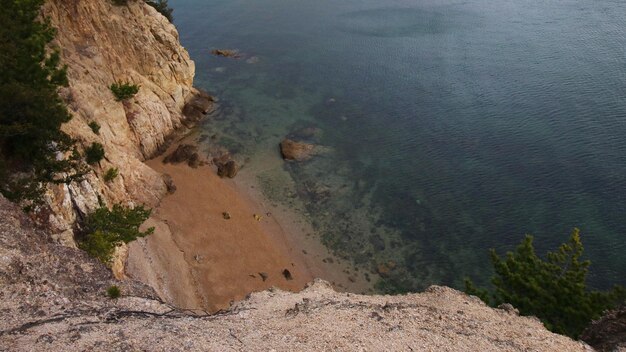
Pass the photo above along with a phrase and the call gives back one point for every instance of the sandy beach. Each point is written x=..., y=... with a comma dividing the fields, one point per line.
x=198, y=259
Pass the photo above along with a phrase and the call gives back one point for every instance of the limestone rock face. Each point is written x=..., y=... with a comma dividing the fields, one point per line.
x=102, y=44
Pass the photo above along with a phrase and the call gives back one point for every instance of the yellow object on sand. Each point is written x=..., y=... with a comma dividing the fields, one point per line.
x=257, y=217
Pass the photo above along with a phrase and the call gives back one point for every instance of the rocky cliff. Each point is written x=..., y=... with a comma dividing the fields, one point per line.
x=102, y=44
x=52, y=298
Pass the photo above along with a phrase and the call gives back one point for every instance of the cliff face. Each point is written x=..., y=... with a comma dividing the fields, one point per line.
x=53, y=299
x=103, y=44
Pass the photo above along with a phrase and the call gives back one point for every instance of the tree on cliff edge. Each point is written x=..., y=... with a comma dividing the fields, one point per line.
x=554, y=290
x=33, y=149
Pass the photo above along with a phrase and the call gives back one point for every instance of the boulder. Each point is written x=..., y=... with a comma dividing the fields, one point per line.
x=226, y=166
x=297, y=151
x=228, y=169
x=226, y=53
x=184, y=153
x=198, y=106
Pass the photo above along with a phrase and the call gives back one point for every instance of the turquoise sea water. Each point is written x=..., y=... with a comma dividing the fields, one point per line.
x=452, y=126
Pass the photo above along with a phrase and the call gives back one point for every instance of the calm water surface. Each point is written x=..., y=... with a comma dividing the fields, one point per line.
x=452, y=127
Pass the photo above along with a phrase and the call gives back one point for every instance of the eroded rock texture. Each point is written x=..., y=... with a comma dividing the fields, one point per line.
x=103, y=44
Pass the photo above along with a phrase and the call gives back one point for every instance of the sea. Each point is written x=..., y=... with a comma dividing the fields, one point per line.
x=444, y=128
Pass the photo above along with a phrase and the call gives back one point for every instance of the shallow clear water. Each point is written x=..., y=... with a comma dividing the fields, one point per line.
x=453, y=126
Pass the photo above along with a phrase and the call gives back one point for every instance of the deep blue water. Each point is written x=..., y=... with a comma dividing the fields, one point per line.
x=454, y=126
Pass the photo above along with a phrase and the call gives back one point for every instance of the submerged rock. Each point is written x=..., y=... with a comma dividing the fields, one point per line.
x=383, y=269
x=310, y=133
x=315, y=191
x=226, y=53
x=253, y=60
x=297, y=151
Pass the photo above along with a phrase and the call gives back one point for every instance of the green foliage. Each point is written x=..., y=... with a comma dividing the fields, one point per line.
x=111, y=174
x=105, y=229
x=94, y=153
x=120, y=2
x=114, y=292
x=95, y=127
x=100, y=245
x=554, y=289
x=124, y=90
x=31, y=112
x=162, y=7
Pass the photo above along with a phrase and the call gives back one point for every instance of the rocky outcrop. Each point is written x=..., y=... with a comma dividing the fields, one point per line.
x=53, y=299
x=102, y=44
x=609, y=332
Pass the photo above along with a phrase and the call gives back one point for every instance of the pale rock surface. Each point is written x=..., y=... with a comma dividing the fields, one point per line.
x=52, y=298
x=102, y=44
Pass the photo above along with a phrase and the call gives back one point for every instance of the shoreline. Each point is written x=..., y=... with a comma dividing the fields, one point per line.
x=198, y=260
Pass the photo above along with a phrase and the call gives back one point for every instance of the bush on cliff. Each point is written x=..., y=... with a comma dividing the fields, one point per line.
x=554, y=289
x=111, y=174
x=33, y=149
x=94, y=153
x=105, y=229
x=124, y=90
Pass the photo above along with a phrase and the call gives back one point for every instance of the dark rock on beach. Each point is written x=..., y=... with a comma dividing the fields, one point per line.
x=226, y=166
x=228, y=169
x=184, y=153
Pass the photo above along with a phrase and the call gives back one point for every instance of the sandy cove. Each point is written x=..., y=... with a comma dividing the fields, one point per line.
x=197, y=259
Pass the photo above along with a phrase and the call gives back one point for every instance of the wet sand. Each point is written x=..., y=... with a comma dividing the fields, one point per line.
x=196, y=259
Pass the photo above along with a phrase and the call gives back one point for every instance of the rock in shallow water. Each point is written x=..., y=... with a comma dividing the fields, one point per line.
x=226, y=53
x=297, y=151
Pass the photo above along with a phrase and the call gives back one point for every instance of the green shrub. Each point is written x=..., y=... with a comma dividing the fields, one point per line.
x=100, y=245
x=162, y=7
x=111, y=174
x=120, y=2
x=554, y=290
x=124, y=90
x=94, y=153
x=105, y=229
x=95, y=127
x=31, y=111
x=114, y=292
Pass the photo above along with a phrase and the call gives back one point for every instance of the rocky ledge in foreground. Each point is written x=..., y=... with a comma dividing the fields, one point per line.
x=53, y=299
